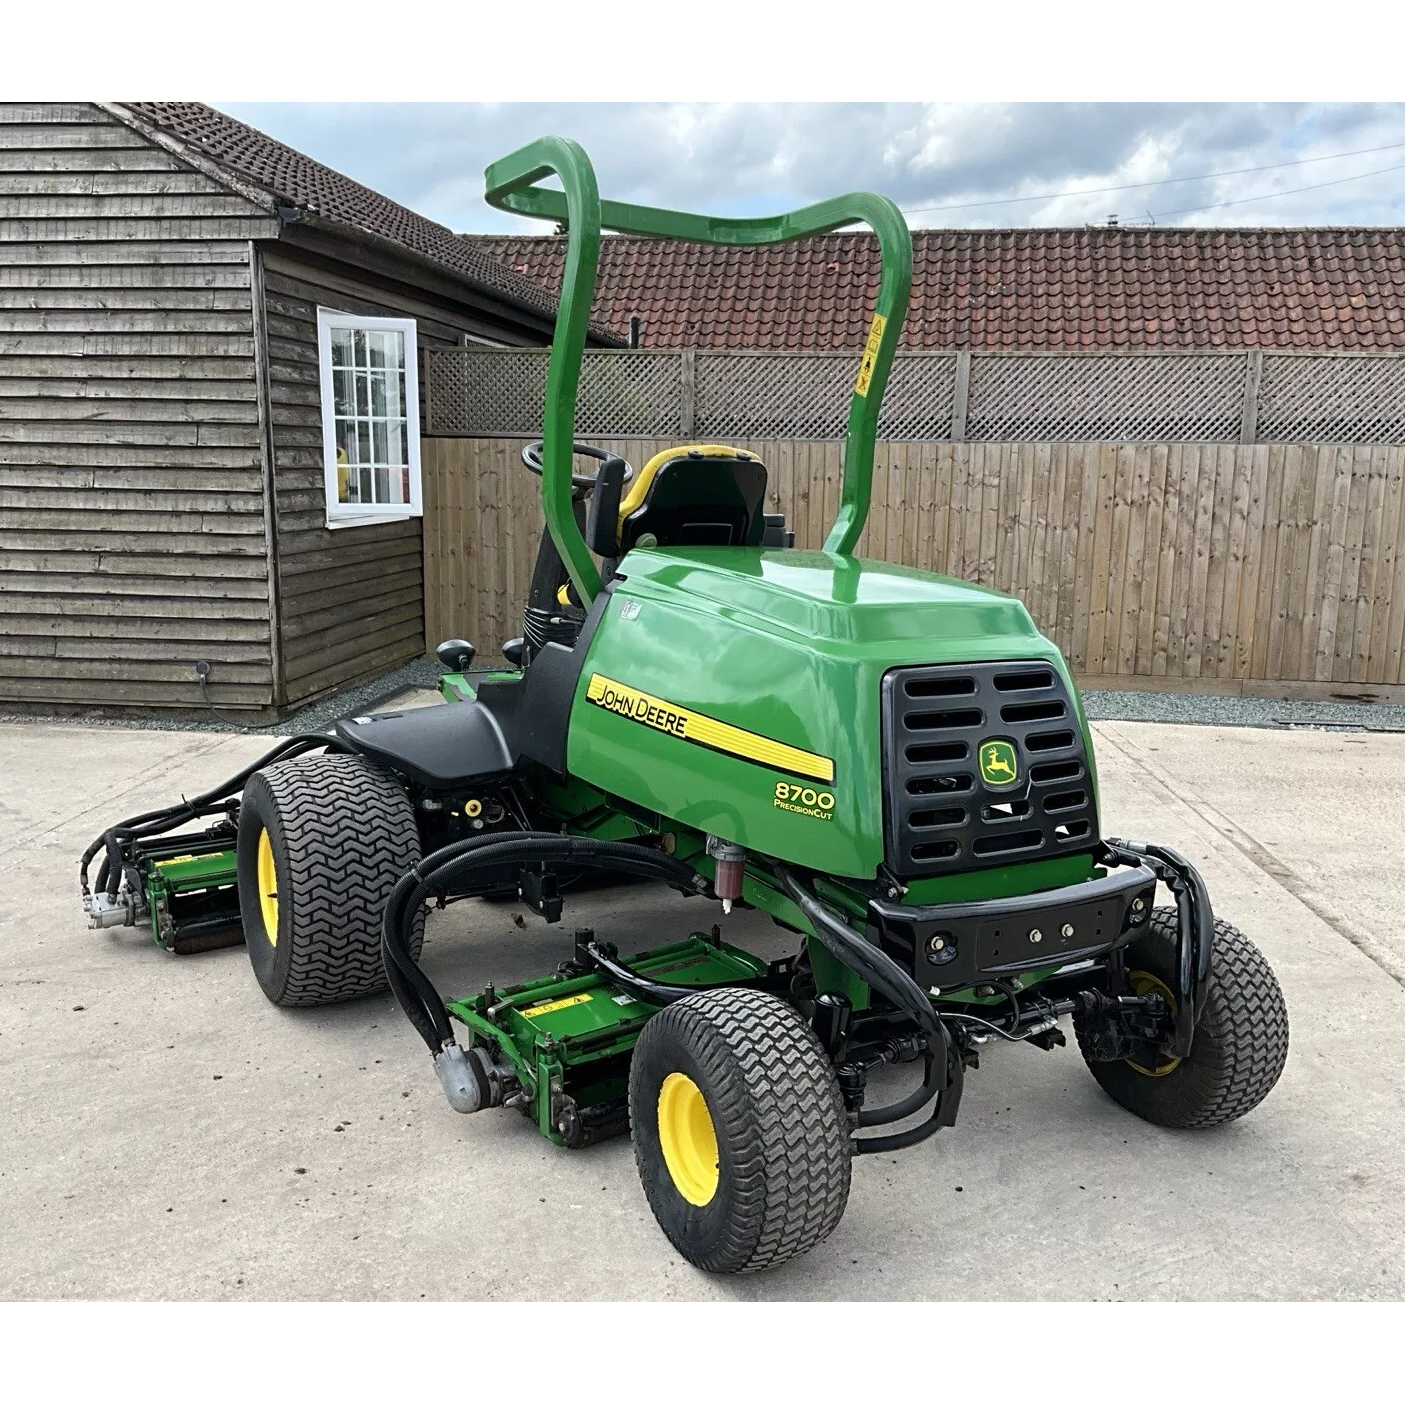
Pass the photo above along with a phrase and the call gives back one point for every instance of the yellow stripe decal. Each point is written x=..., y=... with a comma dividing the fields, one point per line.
x=705, y=731
x=552, y=1006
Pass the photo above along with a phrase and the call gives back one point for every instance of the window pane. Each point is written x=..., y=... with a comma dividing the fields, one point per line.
x=363, y=440
x=375, y=349
x=382, y=445
x=367, y=487
x=363, y=393
x=395, y=395
x=396, y=454
x=378, y=393
x=358, y=339
x=346, y=442
x=342, y=391
x=394, y=349
x=341, y=346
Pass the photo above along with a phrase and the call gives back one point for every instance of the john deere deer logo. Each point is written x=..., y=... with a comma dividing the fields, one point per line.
x=999, y=765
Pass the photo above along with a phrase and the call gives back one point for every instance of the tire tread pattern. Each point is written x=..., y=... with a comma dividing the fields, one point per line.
x=349, y=834
x=778, y=1104
x=1241, y=1040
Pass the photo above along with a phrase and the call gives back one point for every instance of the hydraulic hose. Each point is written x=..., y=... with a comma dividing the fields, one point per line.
x=1195, y=922
x=944, y=1073
x=422, y=1004
x=162, y=821
x=905, y=1107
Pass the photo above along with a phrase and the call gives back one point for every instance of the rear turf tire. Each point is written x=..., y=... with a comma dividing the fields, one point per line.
x=336, y=834
x=780, y=1138
x=1241, y=1039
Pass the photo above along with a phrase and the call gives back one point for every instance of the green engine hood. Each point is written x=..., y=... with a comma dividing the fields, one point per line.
x=787, y=650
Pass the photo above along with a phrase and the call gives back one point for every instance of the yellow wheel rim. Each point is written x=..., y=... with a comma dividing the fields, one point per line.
x=688, y=1140
x=268, y=888
x=1144, y=983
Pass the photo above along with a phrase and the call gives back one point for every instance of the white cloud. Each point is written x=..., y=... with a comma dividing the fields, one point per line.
x=750, y=157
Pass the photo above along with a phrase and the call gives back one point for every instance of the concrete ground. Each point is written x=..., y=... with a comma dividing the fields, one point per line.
x=169, y=1134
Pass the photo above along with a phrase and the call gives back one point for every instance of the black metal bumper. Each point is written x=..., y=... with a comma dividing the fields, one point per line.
x=953, y=945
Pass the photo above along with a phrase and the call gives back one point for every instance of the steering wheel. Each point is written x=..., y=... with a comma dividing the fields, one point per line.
x=583, y=482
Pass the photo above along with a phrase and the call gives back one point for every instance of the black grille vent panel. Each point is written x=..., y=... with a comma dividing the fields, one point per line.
x=934, y=722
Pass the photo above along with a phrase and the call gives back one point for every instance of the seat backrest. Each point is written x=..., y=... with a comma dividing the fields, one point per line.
x=695, y=495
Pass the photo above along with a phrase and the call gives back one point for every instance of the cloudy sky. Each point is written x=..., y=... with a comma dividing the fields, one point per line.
x=736, y=158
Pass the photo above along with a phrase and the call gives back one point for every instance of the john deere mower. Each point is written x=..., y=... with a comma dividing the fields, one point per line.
x=894, y=766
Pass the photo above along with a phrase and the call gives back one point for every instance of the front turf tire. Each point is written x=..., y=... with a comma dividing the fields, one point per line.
x=740, y=1134
x=335, y=834
x=1241, y=1038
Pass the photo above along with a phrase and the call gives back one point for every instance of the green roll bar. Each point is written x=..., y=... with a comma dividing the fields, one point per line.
x=512, y=184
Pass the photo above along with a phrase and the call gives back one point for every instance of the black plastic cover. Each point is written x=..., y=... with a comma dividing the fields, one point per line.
x=438, y=747
x=512, y=719
x=941, y=814
x=953, y=945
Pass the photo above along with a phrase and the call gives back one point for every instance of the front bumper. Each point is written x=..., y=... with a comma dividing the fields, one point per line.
x=954, y=945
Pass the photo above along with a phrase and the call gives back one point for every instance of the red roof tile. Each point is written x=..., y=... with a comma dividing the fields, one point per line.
x=1035, y=289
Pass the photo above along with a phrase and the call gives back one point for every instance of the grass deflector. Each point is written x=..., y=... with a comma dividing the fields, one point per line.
x=893, y=765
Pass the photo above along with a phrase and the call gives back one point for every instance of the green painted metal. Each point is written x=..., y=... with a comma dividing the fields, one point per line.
x=196, y=886
x=557, y=1029
x=513, y=184
x=463, y=687
x=796, y=645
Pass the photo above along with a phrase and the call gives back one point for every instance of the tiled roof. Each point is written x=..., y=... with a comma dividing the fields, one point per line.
x=294, y=179
x=1027, y=289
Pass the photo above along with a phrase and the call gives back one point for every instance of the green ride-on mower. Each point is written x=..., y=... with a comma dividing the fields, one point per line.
x=893, y=765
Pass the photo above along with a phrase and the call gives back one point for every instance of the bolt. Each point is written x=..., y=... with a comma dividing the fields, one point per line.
x=937, y=943
x=1138, y=904
x=1067, y=929
x=1035, y=935
x=985, y=991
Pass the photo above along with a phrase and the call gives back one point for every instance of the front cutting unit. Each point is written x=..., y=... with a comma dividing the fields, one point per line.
x=892, y=766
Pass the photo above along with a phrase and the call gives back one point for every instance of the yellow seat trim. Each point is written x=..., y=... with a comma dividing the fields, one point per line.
x=639, y=489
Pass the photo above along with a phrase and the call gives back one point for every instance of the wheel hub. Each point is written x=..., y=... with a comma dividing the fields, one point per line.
x=687, y=1138
x=268, y=888
x=1144, y=983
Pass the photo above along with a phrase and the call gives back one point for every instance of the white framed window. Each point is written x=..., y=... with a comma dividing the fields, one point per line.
x=370, y=417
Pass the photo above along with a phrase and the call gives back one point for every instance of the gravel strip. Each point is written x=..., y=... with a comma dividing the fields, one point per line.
x=1205, y=710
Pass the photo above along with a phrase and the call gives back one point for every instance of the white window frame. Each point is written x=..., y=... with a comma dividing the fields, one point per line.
x=341, y=514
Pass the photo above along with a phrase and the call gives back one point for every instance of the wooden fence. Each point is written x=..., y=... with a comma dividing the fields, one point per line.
x=1258, y=569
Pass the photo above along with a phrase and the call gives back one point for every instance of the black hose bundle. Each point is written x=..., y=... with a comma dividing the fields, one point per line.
x=453, y=866
x=114, y=840
x=944, y=1075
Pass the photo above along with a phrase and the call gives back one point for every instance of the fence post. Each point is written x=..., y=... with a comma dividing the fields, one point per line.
x=1249, y=414
x=687, y=394
x=961, y=394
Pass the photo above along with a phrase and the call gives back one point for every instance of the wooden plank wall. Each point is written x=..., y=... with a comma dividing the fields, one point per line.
x=352, y=602
x=1270, y=569
x=131, y=515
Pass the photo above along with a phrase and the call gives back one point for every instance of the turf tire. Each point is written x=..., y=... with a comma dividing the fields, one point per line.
x=342, y=833
x=1241, y=1039
x=782, y=1135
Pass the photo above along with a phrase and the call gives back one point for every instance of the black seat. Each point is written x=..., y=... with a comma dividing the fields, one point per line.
x=694, y=495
